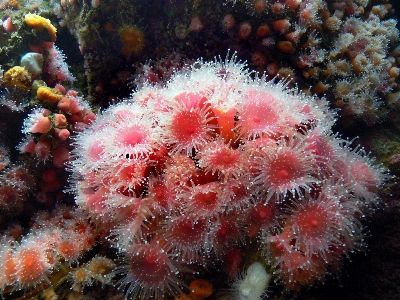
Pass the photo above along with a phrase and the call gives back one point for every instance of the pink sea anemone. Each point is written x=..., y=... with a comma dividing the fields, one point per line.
x=204, y=200
x=218, y=157
x=285, y=167
x=260, y=113
x=134, y=138
x=316, y=224
x=187, y=237
x=34, y=260
x=149, y=272
x=188, y=125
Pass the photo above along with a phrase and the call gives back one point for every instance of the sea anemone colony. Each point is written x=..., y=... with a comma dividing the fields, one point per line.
x=133, y=165
x=181, y=174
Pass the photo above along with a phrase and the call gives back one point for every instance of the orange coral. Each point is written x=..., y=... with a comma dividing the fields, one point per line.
x=18, y=77
x=39, y=23
x=132, y=39
x=45, y=93
x=200, y=289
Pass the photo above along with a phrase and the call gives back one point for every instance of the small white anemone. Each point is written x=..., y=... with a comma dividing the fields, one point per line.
x=251, y=284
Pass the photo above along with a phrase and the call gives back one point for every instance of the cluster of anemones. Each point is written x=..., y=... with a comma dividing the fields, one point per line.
x=62, y=236
x=184, y=173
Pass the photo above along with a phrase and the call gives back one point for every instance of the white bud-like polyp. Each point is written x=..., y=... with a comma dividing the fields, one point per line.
x=33, y=63
x=252, y=284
